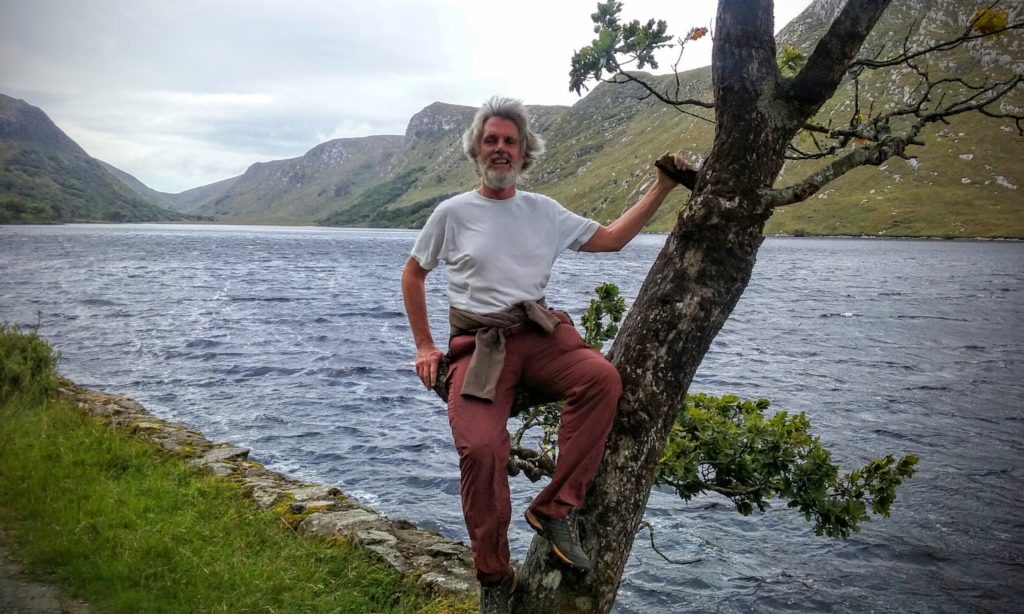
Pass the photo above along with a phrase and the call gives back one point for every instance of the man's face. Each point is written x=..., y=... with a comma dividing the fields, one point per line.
x=501, y=155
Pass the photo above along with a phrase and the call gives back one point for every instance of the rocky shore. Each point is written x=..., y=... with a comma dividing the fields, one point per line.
x=437, y=564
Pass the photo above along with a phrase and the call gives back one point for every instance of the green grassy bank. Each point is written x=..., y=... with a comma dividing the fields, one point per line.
x=129, y=528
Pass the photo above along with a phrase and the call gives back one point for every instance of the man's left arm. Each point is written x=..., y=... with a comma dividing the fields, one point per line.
x=615, y=236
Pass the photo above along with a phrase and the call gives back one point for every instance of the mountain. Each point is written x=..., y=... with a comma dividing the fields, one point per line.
x=46, y=177
x=164, y=199
x=433, y=167
x=304, y=188
x=967, y=181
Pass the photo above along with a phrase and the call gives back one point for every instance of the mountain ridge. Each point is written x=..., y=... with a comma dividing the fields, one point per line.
x=966, y=182
x=45, y=176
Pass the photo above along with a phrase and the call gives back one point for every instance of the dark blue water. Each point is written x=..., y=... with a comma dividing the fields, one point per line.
x=293, y=342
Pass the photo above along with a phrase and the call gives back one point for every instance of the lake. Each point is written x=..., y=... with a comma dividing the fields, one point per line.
x=293, y=342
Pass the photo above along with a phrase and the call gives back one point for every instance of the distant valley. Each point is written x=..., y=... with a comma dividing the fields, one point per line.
x=967, y=182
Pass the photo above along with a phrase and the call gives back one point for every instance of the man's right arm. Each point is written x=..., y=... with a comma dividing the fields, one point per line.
x=414, y=294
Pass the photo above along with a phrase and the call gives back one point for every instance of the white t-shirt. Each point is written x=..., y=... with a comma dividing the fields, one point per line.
x=498, y=252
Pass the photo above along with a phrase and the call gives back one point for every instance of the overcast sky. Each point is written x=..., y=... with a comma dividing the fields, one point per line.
x=183, y=93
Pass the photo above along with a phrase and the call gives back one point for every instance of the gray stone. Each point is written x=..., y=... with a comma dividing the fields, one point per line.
x=220, y=469
x=447, y=584
x=130, y=405
x=423, y=561
x=446, y=549
x=338, y=523
x=392, y=556
x=150, y=425
x=310, y=491
x=265, y=497
x=228, y=453
x=370, y=536
x=316, y=506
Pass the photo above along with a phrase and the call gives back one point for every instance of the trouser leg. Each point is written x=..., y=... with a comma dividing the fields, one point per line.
x=563, y=364
x=482, y=440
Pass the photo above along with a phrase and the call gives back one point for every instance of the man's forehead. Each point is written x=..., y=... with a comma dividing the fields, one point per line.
x=500, y=126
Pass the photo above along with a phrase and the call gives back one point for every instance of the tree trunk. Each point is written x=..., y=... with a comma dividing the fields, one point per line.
x=691, y=289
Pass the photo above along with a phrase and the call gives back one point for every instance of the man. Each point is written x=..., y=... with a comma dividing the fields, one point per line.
x=499, y=245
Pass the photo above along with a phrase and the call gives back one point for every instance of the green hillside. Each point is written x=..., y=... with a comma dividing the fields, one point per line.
x=47, y=177
x=966, y=182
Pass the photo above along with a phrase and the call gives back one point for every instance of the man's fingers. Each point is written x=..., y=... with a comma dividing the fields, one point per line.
x=675, y=167
x=431, y=373
x=680, y=161
x=427, y=368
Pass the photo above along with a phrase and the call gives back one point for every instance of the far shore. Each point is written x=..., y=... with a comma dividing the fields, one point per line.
x=303, y=225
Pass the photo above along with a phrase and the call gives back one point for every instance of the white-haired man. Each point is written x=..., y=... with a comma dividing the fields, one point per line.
x=499, y=245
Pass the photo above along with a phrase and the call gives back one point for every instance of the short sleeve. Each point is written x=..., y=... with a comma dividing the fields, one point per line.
x=429, y=246
x=573, y=230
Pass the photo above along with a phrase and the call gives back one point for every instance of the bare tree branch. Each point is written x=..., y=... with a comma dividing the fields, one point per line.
x=624, y=77
x=873, y=155
x=943, y=46
x=650, y=532
x=927, y=103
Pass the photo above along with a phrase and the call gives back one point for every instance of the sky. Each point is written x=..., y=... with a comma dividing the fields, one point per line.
x=184, y=93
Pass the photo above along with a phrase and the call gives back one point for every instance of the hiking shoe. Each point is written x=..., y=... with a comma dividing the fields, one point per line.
x=497, y=598
x=561, y=534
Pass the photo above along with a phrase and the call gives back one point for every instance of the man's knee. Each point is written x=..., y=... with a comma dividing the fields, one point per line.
x=607, y=378
x=481, y=451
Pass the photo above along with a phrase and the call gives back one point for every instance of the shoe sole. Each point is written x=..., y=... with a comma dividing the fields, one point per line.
x=538, y=526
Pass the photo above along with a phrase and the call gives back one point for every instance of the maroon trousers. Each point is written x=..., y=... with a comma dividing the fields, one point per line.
x=562, y=365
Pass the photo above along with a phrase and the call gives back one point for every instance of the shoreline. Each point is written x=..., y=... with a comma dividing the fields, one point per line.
x=437, y=564
x=307, y=226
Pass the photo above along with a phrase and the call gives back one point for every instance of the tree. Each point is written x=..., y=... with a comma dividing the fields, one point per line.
x=708, y=257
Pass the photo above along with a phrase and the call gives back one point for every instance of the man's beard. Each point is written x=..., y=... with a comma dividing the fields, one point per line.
x=498, y=180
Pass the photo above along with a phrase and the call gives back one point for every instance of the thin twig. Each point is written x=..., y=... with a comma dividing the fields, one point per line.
x=650, y=531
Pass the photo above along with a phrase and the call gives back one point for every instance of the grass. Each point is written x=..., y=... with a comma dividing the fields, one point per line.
x=131, y=529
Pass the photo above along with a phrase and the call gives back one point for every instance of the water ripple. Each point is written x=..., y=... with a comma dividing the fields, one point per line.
x=293, y=341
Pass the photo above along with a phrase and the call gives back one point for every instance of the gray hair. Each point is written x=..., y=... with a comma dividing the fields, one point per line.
x=506, y=108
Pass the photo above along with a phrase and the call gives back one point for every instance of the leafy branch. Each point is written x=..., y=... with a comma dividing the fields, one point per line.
x=729, y=446
x=620, y=47
x=608, y=303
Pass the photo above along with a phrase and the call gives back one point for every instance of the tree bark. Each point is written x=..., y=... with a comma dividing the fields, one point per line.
x=693, y=285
